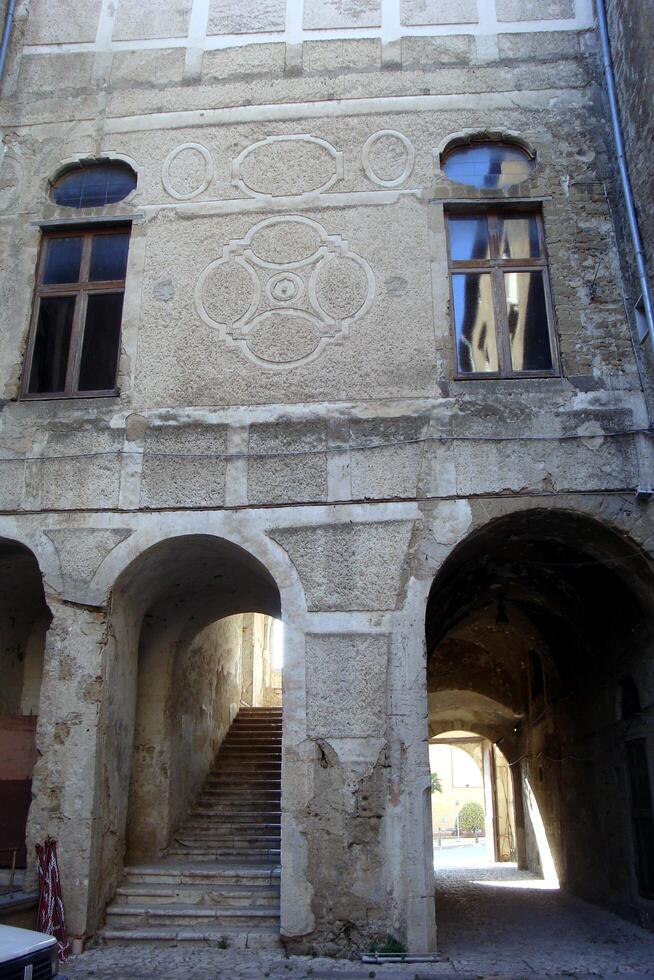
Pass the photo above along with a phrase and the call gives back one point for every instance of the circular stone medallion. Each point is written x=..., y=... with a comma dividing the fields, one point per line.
x=284, y=288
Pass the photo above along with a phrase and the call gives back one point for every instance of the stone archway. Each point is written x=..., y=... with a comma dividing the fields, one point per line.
x=24, y=622
x=531, y=622
x=167, y=712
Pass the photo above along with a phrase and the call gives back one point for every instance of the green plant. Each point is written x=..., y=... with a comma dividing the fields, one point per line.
x=392, y=947
x=223, y=943
x=436, y=786
x=471, y=818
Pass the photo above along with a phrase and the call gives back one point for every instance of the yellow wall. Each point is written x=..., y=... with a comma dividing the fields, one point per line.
x=459, y=771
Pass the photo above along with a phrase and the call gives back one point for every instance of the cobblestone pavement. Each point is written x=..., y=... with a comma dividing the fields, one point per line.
x=493, y=922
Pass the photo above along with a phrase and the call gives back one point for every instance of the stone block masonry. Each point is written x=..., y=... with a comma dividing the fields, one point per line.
x=293, y=434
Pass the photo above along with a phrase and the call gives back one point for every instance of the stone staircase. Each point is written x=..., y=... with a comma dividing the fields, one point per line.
x=219, y=879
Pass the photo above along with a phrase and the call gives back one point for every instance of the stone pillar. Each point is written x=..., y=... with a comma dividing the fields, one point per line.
x=519, y=811
x=488, y=778
x=64, y=781
x=409, y=850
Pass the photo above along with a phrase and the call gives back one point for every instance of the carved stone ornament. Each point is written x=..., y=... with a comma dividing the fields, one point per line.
x=285, y=291
x=392, y=153
x=187, y=171
x=287, y=166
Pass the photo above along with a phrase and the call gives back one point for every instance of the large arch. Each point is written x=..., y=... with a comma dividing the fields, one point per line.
x=531, y=622
x=172, y=595
x=24, y=621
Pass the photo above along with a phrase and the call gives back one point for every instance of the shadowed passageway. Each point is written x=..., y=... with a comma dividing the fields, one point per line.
x=494, y=919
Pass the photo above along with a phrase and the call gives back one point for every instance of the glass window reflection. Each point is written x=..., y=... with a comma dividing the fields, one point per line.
x=527, y=317
x=94, y=185
x=488, y=165
x=474, y=323
x=519, y=237
x=62, y=260
x=468, y=237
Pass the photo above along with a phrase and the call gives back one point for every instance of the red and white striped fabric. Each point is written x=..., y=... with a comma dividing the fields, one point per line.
x=50, y=918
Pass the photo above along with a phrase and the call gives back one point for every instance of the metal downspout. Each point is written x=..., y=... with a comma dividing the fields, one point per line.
x=622, y=166
x=6, y=35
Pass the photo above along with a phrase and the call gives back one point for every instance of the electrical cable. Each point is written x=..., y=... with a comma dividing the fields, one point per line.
x=325, y=450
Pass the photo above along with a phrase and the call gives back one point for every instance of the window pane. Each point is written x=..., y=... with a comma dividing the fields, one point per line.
x=527, y=315
x=519, y=236
x=62, y=260
x=51, y=345
x=94, y=186
x=101, y=340
x=488, y=165
x=468, y=237
x=108, y=257
x=474, y=323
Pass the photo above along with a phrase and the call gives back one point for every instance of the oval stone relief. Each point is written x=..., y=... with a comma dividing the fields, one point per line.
x=287, y=241
x=187, y=171
x=388, y=157
x=283, y=336
x=287, y=166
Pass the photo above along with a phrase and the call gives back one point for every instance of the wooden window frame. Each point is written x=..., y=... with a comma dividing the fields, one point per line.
x=81, y=290
x=496, y=266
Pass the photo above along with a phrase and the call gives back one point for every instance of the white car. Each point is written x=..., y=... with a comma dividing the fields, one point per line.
x=27, y=955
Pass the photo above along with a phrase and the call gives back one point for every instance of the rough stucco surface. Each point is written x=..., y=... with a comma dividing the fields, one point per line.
x=289, y=432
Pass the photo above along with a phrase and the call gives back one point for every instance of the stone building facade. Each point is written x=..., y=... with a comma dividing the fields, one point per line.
x=292, y=435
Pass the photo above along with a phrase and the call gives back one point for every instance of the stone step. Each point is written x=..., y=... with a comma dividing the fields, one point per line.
x=247, y=743
x=216, y=876
x=228, y=825
x=236, y=814
x=246, y=779
x=254, y=721
x=238, y=763
x=178, y=914
x=257, y=735
x=259, y=711
x=231, y=787
x=271, y=722
x=224, y=842
x=247, y=855
x=220, y=875
x=263, y=937
x=199, y=893
x=237, y=803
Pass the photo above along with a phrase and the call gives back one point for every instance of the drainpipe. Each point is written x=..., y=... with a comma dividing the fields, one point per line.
x=623, y=169
x=6, y=35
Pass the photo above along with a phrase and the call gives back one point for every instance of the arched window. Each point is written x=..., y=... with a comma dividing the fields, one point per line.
x=94, y=185
x=501, y=304
x=488, y=164
x=74, y=342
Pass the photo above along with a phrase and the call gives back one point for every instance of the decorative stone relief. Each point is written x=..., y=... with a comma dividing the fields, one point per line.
x=388, y=158
x=285, y=166
x=11, y=176
x=285, y=291
x=187, y=171
x=81, y=551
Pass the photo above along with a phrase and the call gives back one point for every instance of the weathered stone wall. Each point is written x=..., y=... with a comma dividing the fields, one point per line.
x=630, y=29
x=204, y=699
x=287, y=387
x=631, y=26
